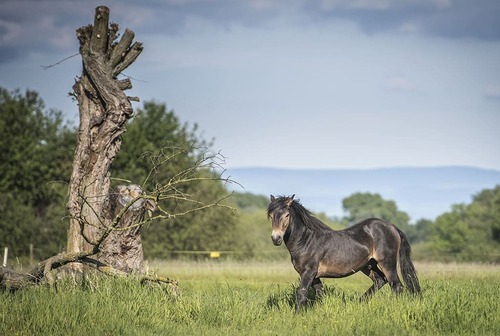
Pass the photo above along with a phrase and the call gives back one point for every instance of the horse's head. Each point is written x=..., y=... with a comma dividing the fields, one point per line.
x=279, y=213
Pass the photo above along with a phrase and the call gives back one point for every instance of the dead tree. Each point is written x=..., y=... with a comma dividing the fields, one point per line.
x=104, y=110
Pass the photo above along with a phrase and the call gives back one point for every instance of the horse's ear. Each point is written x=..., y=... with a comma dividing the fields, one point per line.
x=272, y=198
x=289, y=201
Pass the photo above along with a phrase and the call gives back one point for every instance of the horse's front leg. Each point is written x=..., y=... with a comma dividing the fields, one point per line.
x=306, y=279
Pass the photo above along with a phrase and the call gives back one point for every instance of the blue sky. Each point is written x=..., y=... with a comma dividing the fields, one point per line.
x=292, y=84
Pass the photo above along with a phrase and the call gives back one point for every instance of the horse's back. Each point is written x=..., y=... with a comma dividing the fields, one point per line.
x=374, y=227
x=376, y=233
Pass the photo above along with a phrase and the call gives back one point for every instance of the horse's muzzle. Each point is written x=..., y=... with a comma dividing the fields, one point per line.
x=277, y=239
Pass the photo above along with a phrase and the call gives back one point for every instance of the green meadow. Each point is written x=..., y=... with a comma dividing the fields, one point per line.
x=252, y=298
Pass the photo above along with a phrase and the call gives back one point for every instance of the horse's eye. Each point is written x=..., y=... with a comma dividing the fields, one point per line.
x=287, y=215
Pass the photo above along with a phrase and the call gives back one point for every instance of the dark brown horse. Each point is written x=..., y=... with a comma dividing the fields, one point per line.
x=371, y=246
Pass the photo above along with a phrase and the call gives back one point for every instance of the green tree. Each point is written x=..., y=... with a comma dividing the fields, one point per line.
x=422, y=230
x=158, y=147
x=250, y=202
x=469, y=232
x=36, y=150
x=486, y=206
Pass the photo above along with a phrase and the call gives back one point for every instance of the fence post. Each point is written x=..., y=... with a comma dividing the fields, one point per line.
x=5, y=253
x=31, y=254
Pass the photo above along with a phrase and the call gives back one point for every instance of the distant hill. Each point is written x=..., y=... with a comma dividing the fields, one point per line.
x=420, y=192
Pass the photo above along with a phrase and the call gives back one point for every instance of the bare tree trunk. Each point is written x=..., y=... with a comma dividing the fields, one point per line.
x=104, y=110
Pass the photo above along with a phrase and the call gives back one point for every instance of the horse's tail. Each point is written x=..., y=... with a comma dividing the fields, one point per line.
x=406, y=265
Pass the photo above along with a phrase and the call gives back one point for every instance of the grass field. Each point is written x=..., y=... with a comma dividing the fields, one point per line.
x=249, y=298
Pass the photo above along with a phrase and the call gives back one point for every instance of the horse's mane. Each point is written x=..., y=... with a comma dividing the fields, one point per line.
x=298, y=212
x=308, y=218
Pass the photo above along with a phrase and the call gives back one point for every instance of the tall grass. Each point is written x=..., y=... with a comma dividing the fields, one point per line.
x=227, y=298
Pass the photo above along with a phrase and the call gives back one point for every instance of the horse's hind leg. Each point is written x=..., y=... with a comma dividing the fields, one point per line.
x=378, y=278
x=318, y=287
x=388, y=267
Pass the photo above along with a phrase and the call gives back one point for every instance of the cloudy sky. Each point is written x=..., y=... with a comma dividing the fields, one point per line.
x=292, y=83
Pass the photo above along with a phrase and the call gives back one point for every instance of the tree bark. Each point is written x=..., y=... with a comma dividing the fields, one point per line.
x=104, y=110
x=122, y=249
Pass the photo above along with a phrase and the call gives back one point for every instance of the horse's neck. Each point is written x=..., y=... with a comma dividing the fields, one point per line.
x=294, y=239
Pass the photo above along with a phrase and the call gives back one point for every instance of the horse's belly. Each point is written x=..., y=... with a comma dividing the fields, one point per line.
x=332, y=269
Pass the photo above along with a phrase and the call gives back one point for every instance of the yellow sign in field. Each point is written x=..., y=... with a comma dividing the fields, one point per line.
x=214, y=254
